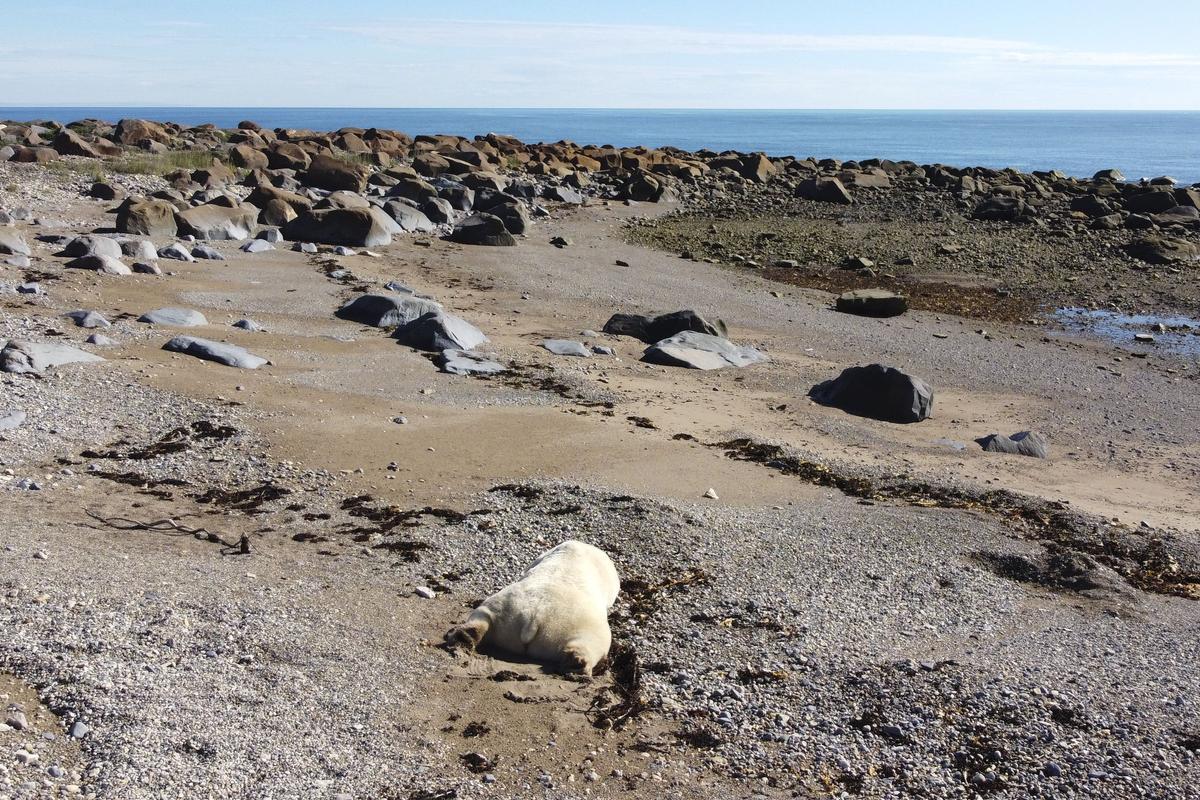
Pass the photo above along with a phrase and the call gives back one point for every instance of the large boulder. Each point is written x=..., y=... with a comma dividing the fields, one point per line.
x=352, y=227
x=137, y=131
x=1002, y=208
x=386, y=310
x=700, y=351
x=13, y=244
x=1025, y=443
x=824, y=190
x=437, y=331
x=213, y=222
x=69, y=143
x=155, y=218
x=483, y=229
x=263, y=195
x=878, y=392
x=1151, y=202
x=245, y=156
x=332, y=174
x=872, y=303
x=92, y=245
x=409, y=219
x=287, y=155
x=19, y=356
x=1162, y=250
x=655, y=329
x=228, y=354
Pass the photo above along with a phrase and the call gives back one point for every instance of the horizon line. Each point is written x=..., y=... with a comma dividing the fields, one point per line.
x=597, y=108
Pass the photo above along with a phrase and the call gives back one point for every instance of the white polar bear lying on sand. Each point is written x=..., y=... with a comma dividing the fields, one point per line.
x=557, y=611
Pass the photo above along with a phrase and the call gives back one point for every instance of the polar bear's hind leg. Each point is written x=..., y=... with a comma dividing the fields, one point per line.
x=469, y=634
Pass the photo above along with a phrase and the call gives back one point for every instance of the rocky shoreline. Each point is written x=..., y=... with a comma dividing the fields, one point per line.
x=277, y=407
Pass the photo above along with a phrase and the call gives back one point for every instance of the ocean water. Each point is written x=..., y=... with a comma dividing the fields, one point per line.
x=1140, y=144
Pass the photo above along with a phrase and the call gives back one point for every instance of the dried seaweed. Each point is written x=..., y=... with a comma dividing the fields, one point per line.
x=248, y=500
x=624, y=699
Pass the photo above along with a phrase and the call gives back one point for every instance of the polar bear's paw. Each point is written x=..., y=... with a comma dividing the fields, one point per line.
x=573, y=660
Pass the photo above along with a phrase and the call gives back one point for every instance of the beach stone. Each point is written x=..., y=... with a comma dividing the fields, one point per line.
x=408, y=218
x=212, y=222
x=700, y=351
x=256, y=246
x=138, y=249
x=248, y=325
x=483, y=229
x=11, y=419
x=437, y=210
x=354, y=227
x=176, y=252
x=79, y=729
x=90, y=245
x=30, y=287
x=175, y=317
x=100, y=340
x=1151, y=202
x=872, y=303
x=20, y=262
x=228, y=354
x=461, y=362
x=21, y=356
x=1025, y=443
x=105, y=264
x=270, y=235
x=142, y=268
x=655, y=329
x=878, y=392
x=438, y=331
x=824, y=190
x=154, y=218
x=305, y=247
x=386, y=310
x=13, y=244
x=88, y=319
x=563, y=194
x=206, y=253
x=246, y=157
x=1002, y=209
x=566, y=347
x=1113, y=175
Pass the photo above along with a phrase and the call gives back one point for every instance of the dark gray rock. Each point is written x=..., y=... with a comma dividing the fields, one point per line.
x=483, y=229
x=655, y=329
x=353, y=227
x=878, y=392
x=824, y=190
x=872, y=303
x=248, y=325
x=176, y=252
x=143, y=268
x=411, y=220
x=437, y=331
x=220, y=352
x=105, y=264
x=1025, y=443
x=100, y=340
x=206, y=253
x=438, y=211
x=386, y=310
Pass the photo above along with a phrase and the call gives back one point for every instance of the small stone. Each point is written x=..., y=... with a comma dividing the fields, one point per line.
x=41, y=555
x=78, y=730
x=426, y=592
x=711, y=494
x=17, y=721
x=1051, y=770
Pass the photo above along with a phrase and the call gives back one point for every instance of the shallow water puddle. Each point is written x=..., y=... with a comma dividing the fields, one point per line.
x=1182, y=333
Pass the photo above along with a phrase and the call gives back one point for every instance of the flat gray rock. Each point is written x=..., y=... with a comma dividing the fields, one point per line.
x=701, y=351
x=100, y=340
x=145, y=268
x=1025, y=443
x=105, y=264
x=228, y=354
x=248, y=325
x=88, y=319
x=460, y=362
x=566, y=347
x=175, y=317
x=11, y=419
x=386, y=310
x=438, y=331
x=20, y=356
x=139, y=250
x=20, y=262
x=206, y=253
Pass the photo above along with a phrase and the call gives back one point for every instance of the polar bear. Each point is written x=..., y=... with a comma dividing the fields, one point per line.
x=557, y=611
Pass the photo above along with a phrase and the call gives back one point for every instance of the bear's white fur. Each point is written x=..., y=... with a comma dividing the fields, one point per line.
x=557, y=611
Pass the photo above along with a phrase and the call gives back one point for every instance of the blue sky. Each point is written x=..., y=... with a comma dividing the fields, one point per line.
x=1051, y=54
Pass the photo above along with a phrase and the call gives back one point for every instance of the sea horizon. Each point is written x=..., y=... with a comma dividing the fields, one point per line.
x=1142, y=144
